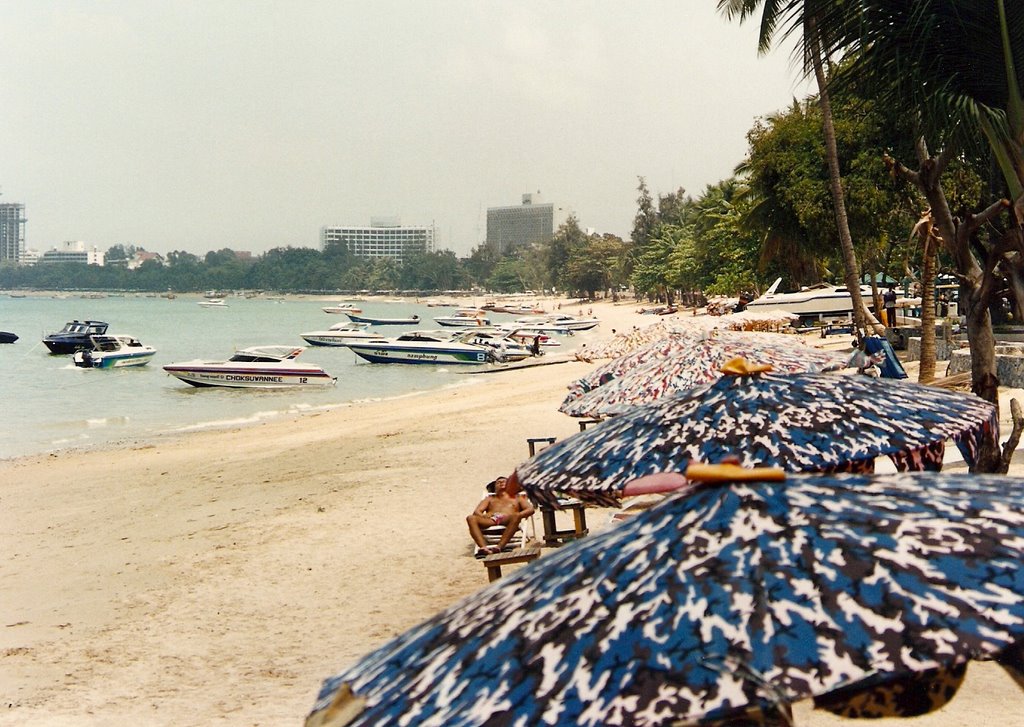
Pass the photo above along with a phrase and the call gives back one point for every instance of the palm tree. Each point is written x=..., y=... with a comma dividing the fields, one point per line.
x=812, y=19
x=958, y=65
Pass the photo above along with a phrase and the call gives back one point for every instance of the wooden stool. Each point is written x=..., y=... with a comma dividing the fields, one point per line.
x=552, y=535
x=494, y=562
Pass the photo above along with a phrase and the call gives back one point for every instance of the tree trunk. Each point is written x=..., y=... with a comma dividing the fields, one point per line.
x=927, y=372
x=861, y=317
x=975, y=295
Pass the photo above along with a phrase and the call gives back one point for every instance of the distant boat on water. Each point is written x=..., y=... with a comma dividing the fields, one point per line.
x=342, y=308
x=407, y=321
x=7, y=337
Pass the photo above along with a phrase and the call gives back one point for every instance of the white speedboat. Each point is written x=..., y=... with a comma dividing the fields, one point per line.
x=815, y=302
x=213, y=303
x=341, y=308
x=554, y=324
x=463, y=318
x=424, y=347
x=113, y=352
x=342, y=334
x=257, y=367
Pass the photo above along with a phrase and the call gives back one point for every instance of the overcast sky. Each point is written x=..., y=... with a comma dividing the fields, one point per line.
x=197, y=125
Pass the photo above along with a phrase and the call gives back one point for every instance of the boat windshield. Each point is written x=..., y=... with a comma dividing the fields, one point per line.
x=248, y=357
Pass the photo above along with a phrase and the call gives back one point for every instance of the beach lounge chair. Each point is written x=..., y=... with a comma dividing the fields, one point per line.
x=493, y=534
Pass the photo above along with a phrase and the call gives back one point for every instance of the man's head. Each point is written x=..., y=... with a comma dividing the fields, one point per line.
x=500, y=484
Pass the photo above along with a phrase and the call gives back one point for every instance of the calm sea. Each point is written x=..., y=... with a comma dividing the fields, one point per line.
x=49, y=404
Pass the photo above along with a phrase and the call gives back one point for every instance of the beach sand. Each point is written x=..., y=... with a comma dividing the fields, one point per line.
x=217, y=578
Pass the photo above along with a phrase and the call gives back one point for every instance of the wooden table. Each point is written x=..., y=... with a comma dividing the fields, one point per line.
x=494, y=562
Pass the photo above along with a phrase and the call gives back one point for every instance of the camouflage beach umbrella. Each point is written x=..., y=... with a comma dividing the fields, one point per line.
x=800, y=422
x=682, y=361
x=738, y=596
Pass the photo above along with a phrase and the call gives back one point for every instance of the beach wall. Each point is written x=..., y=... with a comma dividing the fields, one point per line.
x=1009, y=363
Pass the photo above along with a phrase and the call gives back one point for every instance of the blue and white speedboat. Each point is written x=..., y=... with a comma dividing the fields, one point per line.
x=425, y=347
x=113, y=352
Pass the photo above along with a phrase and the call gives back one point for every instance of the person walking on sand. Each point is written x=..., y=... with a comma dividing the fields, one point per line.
x=501, y=508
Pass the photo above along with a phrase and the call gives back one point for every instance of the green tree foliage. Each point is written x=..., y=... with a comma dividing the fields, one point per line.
x=433, y=271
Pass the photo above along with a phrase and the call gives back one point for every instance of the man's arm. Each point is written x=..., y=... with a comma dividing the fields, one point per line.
x=482, y=508
x=525, y=506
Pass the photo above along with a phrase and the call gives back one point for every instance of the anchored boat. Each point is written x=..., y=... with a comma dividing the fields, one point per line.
x=113, y=352
x=257, y=367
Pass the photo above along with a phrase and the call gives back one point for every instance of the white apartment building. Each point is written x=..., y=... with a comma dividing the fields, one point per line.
x=385, y=237
x=73, y=251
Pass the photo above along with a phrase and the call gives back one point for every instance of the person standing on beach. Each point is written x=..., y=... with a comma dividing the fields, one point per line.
x=889, y=301
x=501, y=508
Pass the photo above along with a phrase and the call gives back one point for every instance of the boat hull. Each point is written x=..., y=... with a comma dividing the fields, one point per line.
x=823, y=304
x=341, y=309
x=65, y=345
x=7, y=337
x=249, y=378
x=112, y=361
x=327, y=338
x=383, y=321
x=376, y=353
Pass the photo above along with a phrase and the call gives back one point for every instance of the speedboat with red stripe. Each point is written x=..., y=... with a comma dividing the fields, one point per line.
x=256, y=367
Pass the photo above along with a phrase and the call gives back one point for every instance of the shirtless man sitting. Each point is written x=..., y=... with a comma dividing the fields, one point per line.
x=497, y=509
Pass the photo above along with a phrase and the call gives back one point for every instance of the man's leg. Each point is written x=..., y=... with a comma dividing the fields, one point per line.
x=510, y=530
x=475, y=522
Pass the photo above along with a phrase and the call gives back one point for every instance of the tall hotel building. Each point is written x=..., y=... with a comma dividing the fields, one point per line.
x=523, y=225
x=385, y=237
x=12, y=231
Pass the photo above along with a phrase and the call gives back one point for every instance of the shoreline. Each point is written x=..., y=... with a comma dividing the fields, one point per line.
x=216, y=577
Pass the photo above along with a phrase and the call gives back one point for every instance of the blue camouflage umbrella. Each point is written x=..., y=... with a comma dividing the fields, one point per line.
x=738, y=595
x=800, y=422
x=683, y=360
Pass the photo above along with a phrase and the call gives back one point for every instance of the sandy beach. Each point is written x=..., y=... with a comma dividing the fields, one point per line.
x=217, y=578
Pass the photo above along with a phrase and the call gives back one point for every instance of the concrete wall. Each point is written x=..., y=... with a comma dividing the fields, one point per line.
x=943, y=348
x=1009, y=363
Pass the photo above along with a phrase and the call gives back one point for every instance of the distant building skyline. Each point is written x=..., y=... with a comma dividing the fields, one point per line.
x=12, y=231
x=385, y=237
x=73, y=251
x=523, y=225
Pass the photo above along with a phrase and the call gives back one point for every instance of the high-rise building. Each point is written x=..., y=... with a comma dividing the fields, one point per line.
x=385, y=237
x=12, y=231
x=527, y=224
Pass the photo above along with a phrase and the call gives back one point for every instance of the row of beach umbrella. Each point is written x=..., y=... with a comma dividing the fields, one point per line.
x=746, y=589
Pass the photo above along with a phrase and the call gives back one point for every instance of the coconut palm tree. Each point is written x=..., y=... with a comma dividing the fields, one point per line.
x=812, y=20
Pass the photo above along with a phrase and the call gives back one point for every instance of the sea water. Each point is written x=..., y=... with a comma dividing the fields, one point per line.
x=49, y=404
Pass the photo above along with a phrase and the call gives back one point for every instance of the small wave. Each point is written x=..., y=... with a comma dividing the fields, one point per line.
x=107, y=421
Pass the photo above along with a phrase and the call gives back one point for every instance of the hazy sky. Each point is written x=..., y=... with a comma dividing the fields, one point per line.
x=197, y=125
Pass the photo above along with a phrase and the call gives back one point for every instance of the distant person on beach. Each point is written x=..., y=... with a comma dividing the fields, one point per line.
x=500, y=508
x=889, y=302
